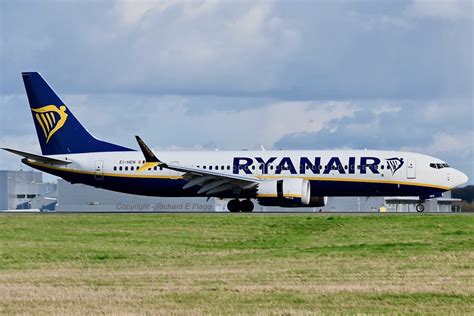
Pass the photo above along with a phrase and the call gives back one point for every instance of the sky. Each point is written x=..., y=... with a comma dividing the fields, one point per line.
x=395, y=75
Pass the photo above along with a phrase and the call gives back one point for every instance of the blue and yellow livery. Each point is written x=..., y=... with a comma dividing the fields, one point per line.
x=298, y=178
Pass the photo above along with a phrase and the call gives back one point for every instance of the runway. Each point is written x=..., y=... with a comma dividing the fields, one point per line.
x=355, y=213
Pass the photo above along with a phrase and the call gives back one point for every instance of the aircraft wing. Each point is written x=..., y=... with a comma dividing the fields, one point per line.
x=212, y=182
x=39, y=158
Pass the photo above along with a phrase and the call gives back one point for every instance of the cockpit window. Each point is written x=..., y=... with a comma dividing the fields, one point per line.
x=439, y=165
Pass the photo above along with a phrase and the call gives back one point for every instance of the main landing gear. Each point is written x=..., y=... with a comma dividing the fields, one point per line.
x=236, y=205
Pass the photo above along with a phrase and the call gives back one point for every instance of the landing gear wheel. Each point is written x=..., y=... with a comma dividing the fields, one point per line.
x=246, y=206
x=233, y=206
x=420, y=208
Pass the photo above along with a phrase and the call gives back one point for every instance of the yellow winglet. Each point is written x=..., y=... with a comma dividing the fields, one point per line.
x=148, y=165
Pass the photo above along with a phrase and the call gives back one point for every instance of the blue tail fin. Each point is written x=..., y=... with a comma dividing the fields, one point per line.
x=59, y=132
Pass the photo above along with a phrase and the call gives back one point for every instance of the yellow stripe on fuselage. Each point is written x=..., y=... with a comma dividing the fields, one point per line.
x=148, y=166
x=275, y=195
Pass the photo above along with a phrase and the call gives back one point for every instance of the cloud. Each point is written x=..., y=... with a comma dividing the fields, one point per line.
x=134, y=12
x=441, y=128
x=441, y=9
x=199, y=74
x=445, y=143
x=325, y=50
x=444, y=130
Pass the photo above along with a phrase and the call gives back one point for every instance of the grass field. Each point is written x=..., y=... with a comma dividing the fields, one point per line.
x=249, y=264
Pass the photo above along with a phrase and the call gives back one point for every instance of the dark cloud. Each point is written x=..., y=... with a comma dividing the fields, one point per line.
x=302, y=50
x=186, y=73
x=443, y=129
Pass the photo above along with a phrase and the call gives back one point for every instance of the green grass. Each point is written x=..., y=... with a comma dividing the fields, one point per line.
x=275, y=264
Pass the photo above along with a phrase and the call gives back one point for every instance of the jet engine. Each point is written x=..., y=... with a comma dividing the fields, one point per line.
x=284, y=192
x=318, y=201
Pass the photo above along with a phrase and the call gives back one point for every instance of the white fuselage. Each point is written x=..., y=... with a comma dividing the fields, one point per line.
x=331, y=172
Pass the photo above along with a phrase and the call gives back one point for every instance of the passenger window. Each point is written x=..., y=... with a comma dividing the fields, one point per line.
x=120, y=168
x=345, y=167
x=132, y=167
x=228, y=167
x=217, y=167
x=161, y=168
x=154, y=168
x=222, y=167
x=382, y=167
x=210, y=167
x=204, y=167
x=115, y=168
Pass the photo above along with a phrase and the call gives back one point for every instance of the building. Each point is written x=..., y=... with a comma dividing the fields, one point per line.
x=84, y=198
x=21, y=190
x=444, y=204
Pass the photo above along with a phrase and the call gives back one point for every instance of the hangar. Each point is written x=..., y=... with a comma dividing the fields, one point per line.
x=20, y=190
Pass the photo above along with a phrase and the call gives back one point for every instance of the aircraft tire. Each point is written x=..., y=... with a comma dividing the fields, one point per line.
x=246, y=206
x=234, y=206
x=420, y=208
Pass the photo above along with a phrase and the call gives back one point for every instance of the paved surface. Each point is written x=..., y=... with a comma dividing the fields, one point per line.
x=227, y=213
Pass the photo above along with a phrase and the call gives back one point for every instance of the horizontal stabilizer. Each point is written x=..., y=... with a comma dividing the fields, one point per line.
x=39, y=158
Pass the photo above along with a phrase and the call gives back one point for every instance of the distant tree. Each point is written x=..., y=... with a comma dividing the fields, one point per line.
x=466, y=193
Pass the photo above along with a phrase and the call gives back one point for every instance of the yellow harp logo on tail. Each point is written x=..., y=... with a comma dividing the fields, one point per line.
x=51, y=119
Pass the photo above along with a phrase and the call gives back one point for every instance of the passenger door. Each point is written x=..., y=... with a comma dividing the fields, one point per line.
x=411, y=168
x=99, y=170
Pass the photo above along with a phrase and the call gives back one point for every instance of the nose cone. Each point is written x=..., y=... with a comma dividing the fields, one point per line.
x=460, y=178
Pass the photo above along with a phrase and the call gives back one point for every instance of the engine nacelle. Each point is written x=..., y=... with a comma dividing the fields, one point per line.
x=285, y=192
x=318, y=201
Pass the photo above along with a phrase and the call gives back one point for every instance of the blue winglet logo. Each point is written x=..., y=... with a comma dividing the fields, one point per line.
x=394, y=164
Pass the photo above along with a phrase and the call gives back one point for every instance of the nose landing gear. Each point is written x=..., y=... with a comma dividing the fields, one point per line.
x=420, y=208
x=235, y=206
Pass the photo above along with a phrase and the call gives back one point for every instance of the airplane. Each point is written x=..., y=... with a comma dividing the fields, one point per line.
x=282, y=178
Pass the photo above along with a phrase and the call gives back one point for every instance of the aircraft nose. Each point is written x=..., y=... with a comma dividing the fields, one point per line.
x=461, y=178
